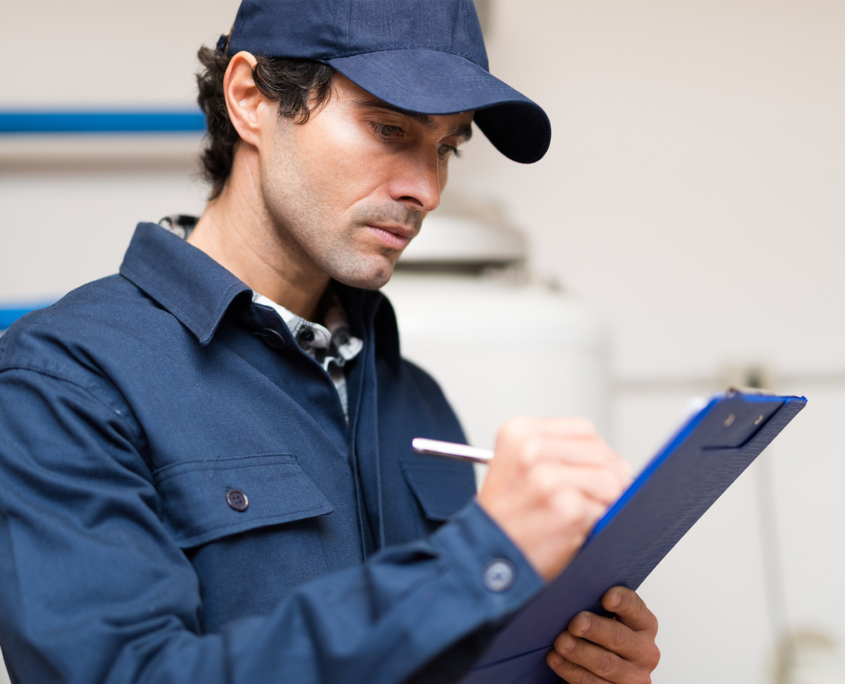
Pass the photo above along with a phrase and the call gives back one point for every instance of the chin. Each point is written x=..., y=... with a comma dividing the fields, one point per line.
x=372, y=278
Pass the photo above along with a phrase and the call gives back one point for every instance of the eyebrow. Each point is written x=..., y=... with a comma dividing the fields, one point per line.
x=463, y=131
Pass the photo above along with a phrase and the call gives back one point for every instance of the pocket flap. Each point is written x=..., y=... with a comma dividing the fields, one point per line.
x=442, y=487
x=199, y=508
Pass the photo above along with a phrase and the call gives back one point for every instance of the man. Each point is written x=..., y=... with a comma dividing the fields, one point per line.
x=205, y=459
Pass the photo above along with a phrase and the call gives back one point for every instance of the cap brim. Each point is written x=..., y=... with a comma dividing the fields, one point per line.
x=433, y=82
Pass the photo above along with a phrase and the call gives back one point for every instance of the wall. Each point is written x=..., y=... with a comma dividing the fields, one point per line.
x=79, y=54
x=691, y=196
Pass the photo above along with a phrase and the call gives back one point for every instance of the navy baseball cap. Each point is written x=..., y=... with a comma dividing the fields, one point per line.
x=424, y=56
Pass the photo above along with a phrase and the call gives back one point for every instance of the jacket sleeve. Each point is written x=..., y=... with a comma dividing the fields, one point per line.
x=93, y=589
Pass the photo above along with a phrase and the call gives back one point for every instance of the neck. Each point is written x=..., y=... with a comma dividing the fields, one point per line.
x=237, y=231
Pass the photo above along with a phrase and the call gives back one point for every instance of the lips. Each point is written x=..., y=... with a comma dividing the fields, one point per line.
x=395, y=237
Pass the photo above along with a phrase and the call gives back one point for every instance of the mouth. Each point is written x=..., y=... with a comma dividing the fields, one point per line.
x=394, y=237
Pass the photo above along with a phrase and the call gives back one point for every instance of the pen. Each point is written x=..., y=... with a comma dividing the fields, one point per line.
x=459, y=452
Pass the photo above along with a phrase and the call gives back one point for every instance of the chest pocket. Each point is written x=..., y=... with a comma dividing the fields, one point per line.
x=441, y=487
x=208, y=500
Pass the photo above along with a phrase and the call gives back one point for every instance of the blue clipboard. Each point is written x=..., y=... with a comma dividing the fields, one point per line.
x=701, y=460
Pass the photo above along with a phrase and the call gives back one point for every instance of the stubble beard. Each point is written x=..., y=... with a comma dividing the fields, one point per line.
x=337, y=246
x=322, y=239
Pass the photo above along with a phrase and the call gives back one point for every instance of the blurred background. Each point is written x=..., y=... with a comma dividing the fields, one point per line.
x=684, y=232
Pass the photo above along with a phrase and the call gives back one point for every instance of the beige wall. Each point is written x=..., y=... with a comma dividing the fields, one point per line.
x=692, y=196
x=698, y=160
x=70, y=204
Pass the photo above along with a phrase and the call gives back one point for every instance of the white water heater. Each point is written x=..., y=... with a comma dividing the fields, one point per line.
x=499, y=342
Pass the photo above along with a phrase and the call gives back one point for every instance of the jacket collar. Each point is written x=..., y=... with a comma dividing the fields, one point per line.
x=181, y=278
x=198, y=291
x=386, y=332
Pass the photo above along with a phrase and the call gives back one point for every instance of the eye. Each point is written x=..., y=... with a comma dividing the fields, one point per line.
x=445, y=151
x=386, y=131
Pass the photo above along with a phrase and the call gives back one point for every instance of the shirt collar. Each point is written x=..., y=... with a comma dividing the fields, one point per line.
x=371, y=310
x=181, y=278
x=329, y=342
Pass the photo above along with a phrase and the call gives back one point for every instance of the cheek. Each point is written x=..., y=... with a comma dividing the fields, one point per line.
x=342, y=162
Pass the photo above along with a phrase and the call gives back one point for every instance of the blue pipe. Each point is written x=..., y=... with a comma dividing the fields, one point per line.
x=106, y=121
x=9, y=316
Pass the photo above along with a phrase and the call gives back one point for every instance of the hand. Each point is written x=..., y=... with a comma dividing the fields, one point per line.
x=548, y=484
x=600, y=650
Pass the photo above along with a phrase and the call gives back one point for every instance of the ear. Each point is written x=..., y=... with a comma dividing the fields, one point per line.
x=244, y=100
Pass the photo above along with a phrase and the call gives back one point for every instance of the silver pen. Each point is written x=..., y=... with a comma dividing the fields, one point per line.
x=458, y=452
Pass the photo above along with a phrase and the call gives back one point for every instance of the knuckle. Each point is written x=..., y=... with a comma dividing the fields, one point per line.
x=612, y=455
x=569, y=506
x=522, y=465
x=593, y=510
x=628, y=640
x=633, y=599
x=544, y=486
x=530, y=450
x=610, y=484
x=569, y=670
x=607, y=663
x=514, y=429
x=522, y=469
x=653, y=657
x=587, y=677
x=568, y=426
x=596, y=512
x=581, y=426
x=596, y=461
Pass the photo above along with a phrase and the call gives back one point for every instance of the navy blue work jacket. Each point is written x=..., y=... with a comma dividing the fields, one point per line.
x=182, y=499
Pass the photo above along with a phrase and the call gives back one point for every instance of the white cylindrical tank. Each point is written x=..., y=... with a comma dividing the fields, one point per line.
x=498, y=343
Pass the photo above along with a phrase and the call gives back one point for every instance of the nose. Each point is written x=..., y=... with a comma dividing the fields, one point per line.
x=419, y=182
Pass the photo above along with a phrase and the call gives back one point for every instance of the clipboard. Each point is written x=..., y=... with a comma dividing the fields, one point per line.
x=700, y=461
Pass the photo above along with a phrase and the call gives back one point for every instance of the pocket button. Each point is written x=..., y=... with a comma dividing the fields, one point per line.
x=237, y=500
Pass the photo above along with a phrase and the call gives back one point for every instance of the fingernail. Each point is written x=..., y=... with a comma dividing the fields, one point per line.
x=555, y=659
x=615, y=599
x=583, y=624
x=566, y=642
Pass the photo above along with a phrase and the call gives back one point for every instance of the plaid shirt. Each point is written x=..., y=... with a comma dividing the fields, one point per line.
x=331, y=343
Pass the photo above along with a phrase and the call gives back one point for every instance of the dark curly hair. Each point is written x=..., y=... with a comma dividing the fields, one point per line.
x=298, y=85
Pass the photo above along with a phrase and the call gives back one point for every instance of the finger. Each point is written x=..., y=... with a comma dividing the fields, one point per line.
x=599, y=484
x=572, y=673
x=630, y=610
x=608, y=634
x=611, y=649
x=575, y=510
x=572, y=439
x=593, y=453
x=567, y=426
